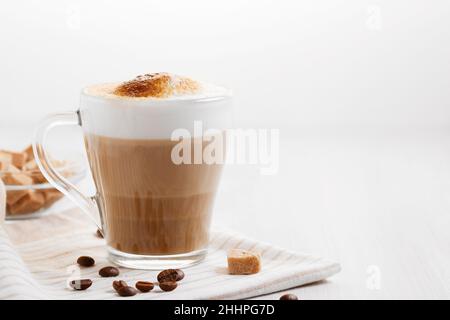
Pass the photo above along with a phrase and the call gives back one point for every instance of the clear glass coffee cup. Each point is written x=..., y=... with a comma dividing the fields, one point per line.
x=156, y=164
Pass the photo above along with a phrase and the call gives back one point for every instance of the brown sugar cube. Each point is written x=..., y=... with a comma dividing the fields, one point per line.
x=15, y=195
x=37, y=176
x=31, y=202
x=243, y=262
x=4, y=165
x=51, y=196
x=5, y=157
x=30, y=166
x=15, y=177
x=13, y=169
x=18, y=159
x=29, y=152
x=32, y=169
x=7, y=170
x=58, y=163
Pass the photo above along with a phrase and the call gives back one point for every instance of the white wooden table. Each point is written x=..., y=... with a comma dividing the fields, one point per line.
x=379, y=203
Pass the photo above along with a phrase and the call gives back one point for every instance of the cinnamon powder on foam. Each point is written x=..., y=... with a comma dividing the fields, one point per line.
x=157, y=85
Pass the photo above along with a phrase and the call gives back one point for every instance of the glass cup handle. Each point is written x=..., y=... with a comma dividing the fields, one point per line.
x=71, y=118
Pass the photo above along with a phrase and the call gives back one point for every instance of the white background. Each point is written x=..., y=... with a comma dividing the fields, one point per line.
x=289, y=62
x=359, y=90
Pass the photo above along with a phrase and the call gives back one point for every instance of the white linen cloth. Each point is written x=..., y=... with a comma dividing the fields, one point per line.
x=38, y=258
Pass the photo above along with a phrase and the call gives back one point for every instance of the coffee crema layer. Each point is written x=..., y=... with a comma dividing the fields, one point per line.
x=150, y=206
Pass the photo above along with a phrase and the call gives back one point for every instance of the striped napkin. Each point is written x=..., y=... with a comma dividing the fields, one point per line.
x=38, y=259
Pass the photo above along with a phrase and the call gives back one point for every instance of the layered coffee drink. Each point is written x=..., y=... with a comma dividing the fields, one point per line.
x=149, y=204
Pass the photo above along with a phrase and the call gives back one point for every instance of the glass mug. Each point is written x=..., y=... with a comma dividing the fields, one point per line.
x=155, y=192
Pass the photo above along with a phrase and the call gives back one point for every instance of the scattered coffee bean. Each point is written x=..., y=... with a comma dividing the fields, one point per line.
x=126, y=291
x=180, y=274
x=81, y=284
x=168, y=285
x=170, y=275
x=145, y=286
x=117, y=284
x=167, y=275
x=86, y=261
x=289, y=296
x=108, y=272
x=99, y=233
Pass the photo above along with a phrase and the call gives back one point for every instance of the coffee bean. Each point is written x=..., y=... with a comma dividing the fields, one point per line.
x=117, y=284
x=86, y=261
x=81, y=284
x=126, y=291
x=145, y=286
x=168, y=285
x=108, y=272
x=180, y=274
x=99, y=233
x=170, y=275
x=167, y=275
x=289, y=296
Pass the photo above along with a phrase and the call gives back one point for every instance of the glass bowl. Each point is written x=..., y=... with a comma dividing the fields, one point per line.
x=25, y=201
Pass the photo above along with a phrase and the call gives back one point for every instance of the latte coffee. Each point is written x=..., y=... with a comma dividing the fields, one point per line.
x=154, y=212
x=150, y=205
